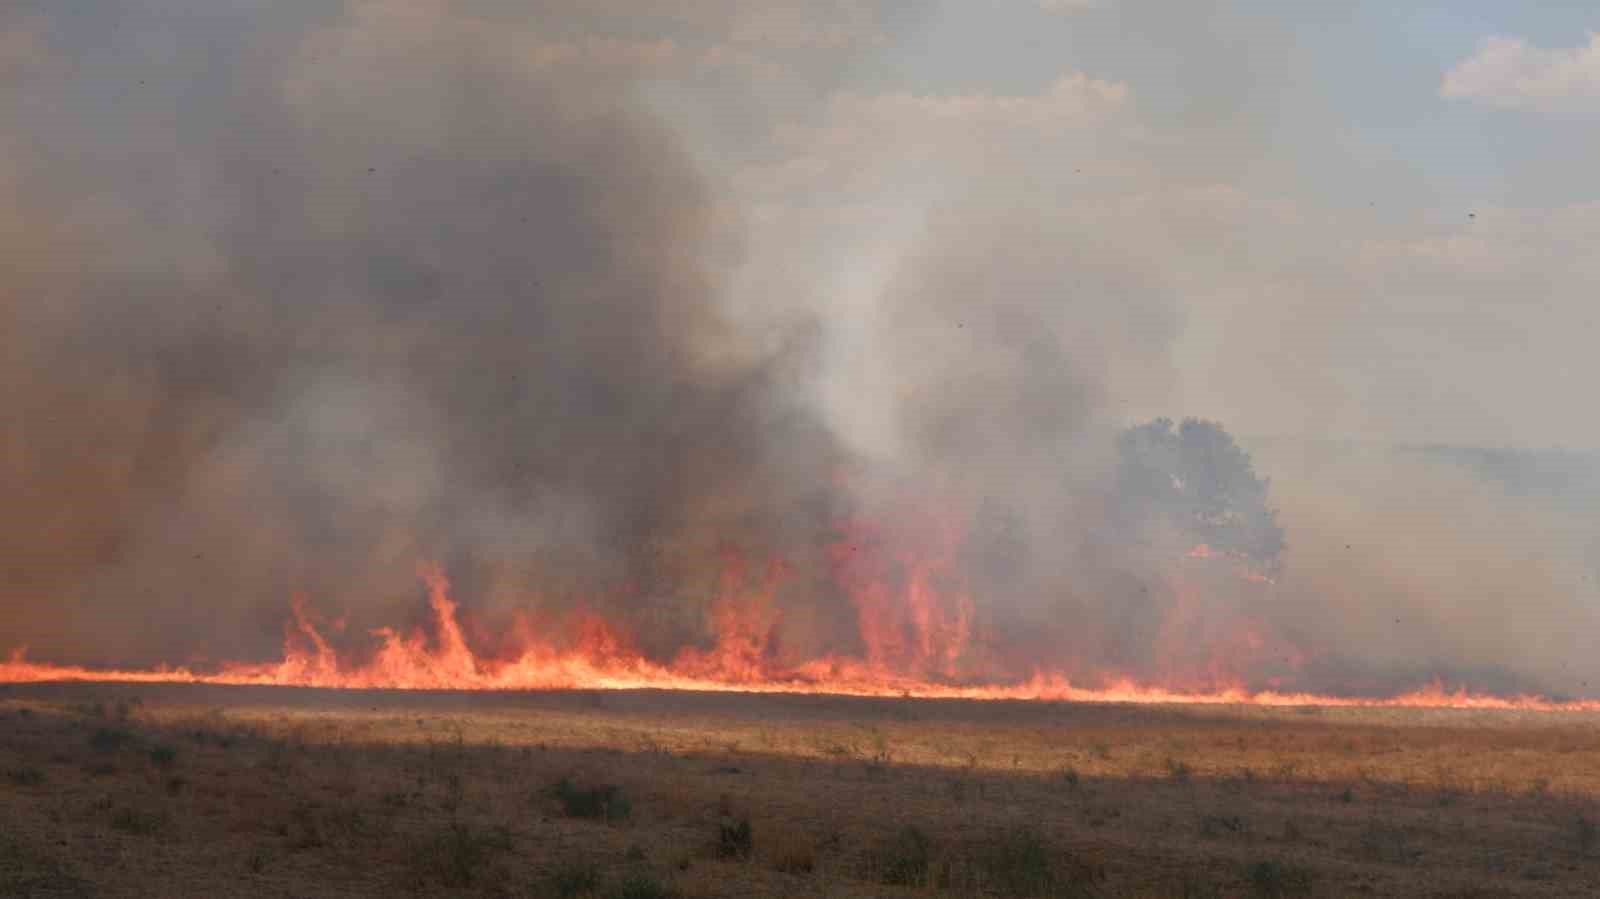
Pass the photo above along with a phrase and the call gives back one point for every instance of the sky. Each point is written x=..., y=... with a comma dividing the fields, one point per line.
x=1373, y=218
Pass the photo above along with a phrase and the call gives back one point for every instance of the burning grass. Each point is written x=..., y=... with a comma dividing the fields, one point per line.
x=918, y=644
x=362, y=793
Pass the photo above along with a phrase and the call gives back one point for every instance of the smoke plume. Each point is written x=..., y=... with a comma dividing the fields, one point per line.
x=594, y=303
x=295, y=298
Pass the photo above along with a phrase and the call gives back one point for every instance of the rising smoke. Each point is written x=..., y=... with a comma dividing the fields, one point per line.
x=296, y=296
x=294, y=300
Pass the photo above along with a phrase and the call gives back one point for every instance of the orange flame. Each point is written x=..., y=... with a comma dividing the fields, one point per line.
x=915, y=643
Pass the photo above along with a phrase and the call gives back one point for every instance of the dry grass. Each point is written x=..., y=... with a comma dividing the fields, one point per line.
x=154, y=791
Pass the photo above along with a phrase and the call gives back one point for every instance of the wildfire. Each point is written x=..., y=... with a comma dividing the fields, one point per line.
x=916, y=638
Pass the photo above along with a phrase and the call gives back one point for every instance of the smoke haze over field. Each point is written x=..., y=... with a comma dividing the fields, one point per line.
x=581, y=300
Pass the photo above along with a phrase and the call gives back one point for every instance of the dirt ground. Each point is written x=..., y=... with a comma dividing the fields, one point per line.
x=183, y=790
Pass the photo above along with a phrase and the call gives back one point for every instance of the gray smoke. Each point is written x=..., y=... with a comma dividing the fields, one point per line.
x=297, y=296
x=578, y=299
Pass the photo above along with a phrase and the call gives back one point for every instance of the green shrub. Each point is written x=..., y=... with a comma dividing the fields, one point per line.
x=734, y=839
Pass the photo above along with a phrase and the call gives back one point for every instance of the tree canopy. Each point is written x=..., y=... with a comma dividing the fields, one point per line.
x=1196, y=479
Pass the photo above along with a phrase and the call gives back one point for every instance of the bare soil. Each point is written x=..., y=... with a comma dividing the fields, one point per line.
x=179, y=790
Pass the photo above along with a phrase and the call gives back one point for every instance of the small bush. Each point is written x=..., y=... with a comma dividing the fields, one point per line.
x=109, y=739
x=1021, y=862
x=456, y=855
x=1017, y=864
x=136, y=822
x=1586, y=834
x=1194, y=887
x=1383, y=843
x=163, y=756
x=603, y=802
x=1273, y=879
x=734, y=839
x=25, y=777
x=1069, y=776
x=904, y=860
x=1220, y=825
x=641, y=886
x=1178, y=770
x=575, y=878
x=303, y=830
x=203, y=736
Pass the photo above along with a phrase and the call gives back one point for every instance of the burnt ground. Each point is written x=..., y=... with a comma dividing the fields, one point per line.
x=124, y=790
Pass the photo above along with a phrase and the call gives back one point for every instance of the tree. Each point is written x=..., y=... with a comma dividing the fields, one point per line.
x=1198, y=481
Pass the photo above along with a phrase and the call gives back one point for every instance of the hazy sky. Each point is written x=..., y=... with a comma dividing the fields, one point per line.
x=1373, y=220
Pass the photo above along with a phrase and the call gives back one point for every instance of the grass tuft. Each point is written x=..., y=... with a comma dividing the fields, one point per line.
x=734, y=838
x=24, y=777
x=1021, y=862
x=904, y=860
x=641, y=886
x=575, y=878
x=604, y=802
x=136, y=822
x=109, y=739
x=1586, y=834
x=1273, y=879
x=456, y=855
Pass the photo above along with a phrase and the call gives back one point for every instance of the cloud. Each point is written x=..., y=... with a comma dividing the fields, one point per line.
x=1508, y=72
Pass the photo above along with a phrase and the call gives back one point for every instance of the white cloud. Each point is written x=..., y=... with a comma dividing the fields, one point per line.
x=1508, y=72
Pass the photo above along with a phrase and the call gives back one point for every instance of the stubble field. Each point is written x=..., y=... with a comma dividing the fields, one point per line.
x=188, y=790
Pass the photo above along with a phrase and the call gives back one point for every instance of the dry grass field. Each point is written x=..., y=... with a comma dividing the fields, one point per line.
x=215, y=791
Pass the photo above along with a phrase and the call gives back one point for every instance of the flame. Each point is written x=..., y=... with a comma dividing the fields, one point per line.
x=917, y=628
x=919, y=636
x=915, y=636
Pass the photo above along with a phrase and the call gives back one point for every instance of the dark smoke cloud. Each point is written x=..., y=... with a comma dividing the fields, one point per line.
x=297, y=295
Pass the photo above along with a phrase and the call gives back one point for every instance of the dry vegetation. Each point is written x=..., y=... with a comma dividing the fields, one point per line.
x=207, y=791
